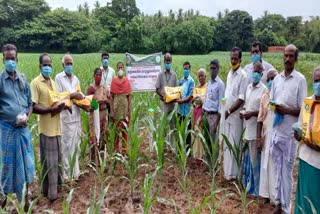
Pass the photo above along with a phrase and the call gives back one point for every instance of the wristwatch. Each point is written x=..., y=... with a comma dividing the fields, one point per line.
x=229, y=111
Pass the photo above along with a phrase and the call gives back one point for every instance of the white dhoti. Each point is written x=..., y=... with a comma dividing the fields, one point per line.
x=70, y=143
x=267, y=173
x=233, y=133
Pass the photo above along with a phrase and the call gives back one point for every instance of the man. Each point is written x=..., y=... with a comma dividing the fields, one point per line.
x=107, y=75
x=288, y=91
x=232, y=126
x=212, y=107
x=70, y=122
x=17, y=158
x=166, y=78
x=184, y=102
x=49, y=128
x=308, y=186
x=264, y=127
x=256, y=56
x=252, y=157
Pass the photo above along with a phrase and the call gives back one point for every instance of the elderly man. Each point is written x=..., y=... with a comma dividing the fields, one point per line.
x=49, y=128
x=256, y=56
x=252, y=157
x=70, y=121
x=264, y=127
x=288, y=91
x=308, y=186
x=166, y=78
x=212, y=107
x=235, y=96
x=184, y=103
x=17, y=158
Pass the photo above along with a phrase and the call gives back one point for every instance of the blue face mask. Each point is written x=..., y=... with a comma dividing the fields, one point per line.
x=168, y=66
x=10, y=65
x=68, y=69
x=256, y=77
x=255, y=58
x=46, y=71
x=316, y=88
x=186, y=73
x=105, y=62
x=269, y=84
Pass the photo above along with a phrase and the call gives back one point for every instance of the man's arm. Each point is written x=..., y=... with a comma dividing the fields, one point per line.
x=40, y=109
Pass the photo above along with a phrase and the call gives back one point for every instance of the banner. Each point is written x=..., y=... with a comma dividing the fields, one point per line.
x=143, y=72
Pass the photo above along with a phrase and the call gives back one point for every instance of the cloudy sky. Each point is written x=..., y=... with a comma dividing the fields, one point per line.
x=256, y=8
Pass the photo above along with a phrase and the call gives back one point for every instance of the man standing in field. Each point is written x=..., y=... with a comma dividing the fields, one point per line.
x=184, y=103
x=288, y=91
x=232, y=126
x=256, y=56
x=70, y=122
x=49, y=128
x=166, y=78
x=212, y=107
x=16, y=152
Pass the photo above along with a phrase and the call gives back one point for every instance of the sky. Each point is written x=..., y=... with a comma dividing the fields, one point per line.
x=305, y=8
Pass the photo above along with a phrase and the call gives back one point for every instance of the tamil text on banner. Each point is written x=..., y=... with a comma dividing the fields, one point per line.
x=142, y=72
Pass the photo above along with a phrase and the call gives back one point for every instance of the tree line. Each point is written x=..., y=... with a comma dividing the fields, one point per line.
x=120, y=26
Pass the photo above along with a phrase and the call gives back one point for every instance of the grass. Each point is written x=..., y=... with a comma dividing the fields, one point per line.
x=158, y=126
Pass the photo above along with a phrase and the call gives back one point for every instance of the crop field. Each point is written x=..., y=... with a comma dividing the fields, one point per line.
x=155, y=176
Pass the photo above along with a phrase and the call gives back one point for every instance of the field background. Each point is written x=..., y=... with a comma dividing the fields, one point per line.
x=117, y=197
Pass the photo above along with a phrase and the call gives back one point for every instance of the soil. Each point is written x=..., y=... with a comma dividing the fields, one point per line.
x=118, y=198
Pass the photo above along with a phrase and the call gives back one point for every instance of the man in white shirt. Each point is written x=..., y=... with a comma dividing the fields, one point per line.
x=256, y=56
x=252, y=157
x=70, y=122
x=232, y=125
x=288, y=90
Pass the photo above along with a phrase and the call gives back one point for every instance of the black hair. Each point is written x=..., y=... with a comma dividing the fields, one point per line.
x=96, y=70
x=41, y=57
x=255, y=44
x=105, y=54
x=9, y=47
x=234, y=49
x=215, y=62
x=187, y=63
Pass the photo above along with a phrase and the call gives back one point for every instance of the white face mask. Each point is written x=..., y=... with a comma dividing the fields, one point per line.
x=120, y=73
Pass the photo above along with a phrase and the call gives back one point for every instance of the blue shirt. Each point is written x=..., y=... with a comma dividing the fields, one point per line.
x=215, y=92
x=187, y=91
x=15, y=97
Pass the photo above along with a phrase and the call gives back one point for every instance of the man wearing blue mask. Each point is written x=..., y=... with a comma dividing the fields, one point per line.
x=70, y=121
x=256, y=56
x=185, y=100
x=166, y=78
x=252, y=157
x=49, y=127
x=16, y=152
x=288, y=90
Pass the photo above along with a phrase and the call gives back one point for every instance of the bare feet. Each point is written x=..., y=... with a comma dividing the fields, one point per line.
x=277, y=209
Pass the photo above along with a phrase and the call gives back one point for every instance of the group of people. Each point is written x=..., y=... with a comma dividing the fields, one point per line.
x=243, y=103
x=59, y=125
x=256, y=109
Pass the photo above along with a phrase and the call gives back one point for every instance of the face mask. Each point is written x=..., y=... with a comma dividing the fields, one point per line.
x=97, y=79
x=120, y=73
x=46, y=71
x=316, y=88
x=235, y=67
x=10, y=65
x=68, y=69
x=256, y=77
x=186, y=73
x=269, y=84
x=105, y=62
x=168, y=66
x=255, y=58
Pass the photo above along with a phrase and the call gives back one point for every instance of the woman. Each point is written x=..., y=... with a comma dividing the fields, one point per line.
x=99, y=93
x=120, y=106
x=198, y=99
